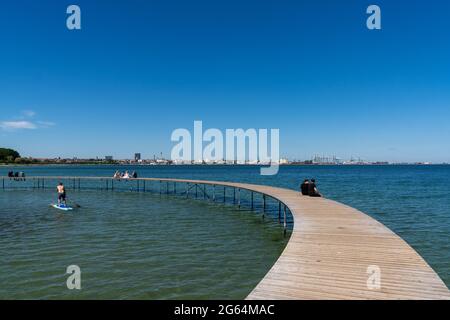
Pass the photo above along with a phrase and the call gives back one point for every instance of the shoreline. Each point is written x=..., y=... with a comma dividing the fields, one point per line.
x=221, y=165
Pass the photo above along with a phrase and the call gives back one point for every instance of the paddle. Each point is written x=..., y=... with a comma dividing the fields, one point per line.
x=76, y=205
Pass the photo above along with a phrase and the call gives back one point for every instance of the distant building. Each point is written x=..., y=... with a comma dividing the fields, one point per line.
x=109, y=158
x=137, y=157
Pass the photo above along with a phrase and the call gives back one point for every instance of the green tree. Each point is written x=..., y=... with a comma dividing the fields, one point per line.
x=8, y=155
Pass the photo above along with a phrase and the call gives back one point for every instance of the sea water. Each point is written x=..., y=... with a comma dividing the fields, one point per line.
x=145, y=246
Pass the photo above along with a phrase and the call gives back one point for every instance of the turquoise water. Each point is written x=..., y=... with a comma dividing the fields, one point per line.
x=132, y=246
x=413, y=201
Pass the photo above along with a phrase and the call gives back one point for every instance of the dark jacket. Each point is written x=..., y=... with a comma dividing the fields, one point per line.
x=304, y=188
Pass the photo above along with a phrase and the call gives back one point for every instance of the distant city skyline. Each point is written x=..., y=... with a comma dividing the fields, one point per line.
x=316, y=159
x=136, y=72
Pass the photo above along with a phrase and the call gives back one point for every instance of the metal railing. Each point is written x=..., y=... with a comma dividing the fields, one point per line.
x=240, y=195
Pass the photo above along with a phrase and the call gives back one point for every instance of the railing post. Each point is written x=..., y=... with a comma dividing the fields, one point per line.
x=264, y=207
x=167, y=187
x=187, y=190
x=239, y=198
x=285, y=222
x=264, y=203
x=112, y=184
x=160, y=187
x=252, y=200
x=196, y=191
x=175, y=187
x=79, y=184
x=234, y=195
x=224, y=194
x=3, y=183
x=214, y=193
x=143, y=182
x=279, y=211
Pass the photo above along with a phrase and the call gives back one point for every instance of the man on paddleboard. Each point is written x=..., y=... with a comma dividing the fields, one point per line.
x=61, y=194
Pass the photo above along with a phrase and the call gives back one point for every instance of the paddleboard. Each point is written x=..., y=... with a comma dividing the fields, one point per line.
x=62, y=207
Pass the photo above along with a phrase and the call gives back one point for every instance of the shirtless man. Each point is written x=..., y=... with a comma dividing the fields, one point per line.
x=61, y=194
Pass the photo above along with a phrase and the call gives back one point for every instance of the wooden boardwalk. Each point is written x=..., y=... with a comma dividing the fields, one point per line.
x=332, y=251
x=333, y=248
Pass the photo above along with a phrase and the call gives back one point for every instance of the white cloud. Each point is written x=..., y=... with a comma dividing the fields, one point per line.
x=29, y=113
x=24, y=122
x=45, y=124
x=17, y=125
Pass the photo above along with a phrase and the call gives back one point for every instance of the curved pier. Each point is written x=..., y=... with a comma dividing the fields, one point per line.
x=335, y=251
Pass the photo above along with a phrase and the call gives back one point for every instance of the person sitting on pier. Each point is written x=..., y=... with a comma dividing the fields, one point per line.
x=61, y=194
x=11, y=174
x=117, y=175
x=134, y=175
x=312, y=189
x=304, y=187
x=126, y=175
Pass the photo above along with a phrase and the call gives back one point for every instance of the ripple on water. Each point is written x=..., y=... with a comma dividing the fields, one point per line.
x=132, y=246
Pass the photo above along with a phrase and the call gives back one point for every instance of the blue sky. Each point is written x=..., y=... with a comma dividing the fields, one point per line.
x=140, y=69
